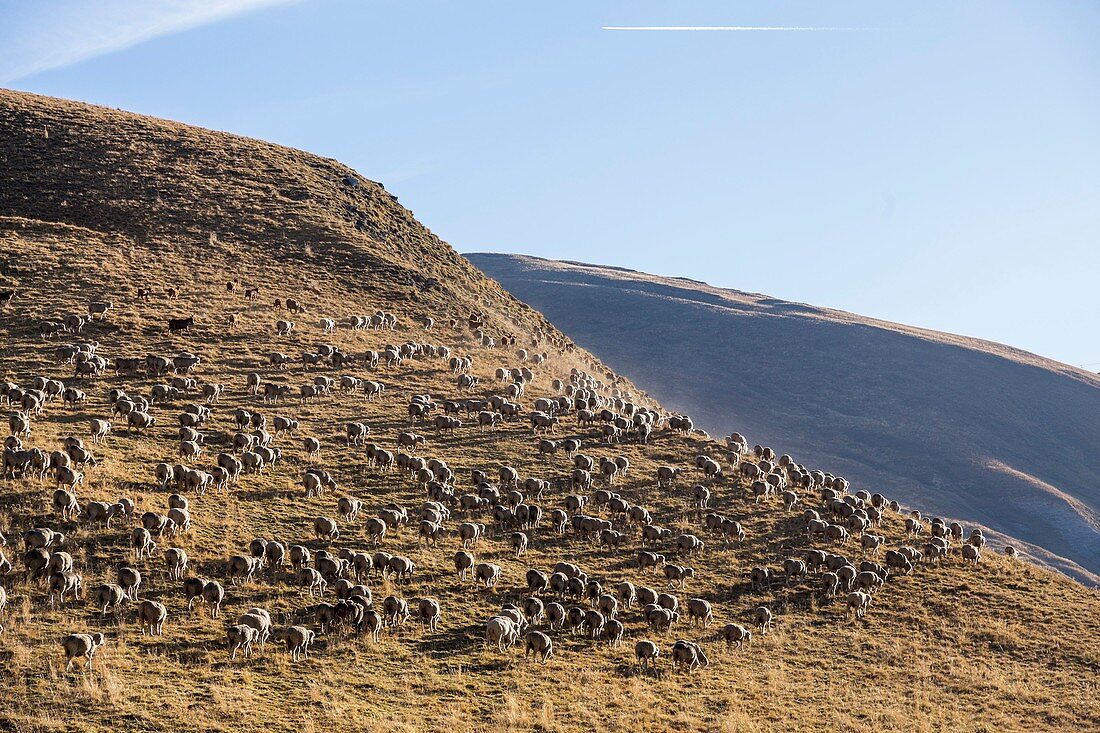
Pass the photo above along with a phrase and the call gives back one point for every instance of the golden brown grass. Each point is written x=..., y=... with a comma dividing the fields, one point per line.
x=1000, y=646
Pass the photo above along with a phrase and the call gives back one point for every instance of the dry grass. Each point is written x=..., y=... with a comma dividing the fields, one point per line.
x=1001, y=646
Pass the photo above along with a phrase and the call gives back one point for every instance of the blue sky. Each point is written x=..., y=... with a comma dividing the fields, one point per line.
x=939, y=167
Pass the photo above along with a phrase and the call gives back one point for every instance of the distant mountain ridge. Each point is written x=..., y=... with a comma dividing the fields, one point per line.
x=963, y=427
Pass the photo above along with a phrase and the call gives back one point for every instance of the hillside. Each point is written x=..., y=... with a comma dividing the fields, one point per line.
x=95, y=204
x=963, y=427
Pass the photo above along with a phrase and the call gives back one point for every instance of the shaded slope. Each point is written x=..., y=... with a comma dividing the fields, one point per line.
x=959, y=426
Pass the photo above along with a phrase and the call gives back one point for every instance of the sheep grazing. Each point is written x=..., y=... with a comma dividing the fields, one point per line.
x=858, y=603
x=297, y=640
x=151, y=616
x=81, y=646
x=689, y=655
x=175, y=561
x=540, y=645
x=699, y=609
x=972, y=553
x=428, y=613
x=501, y=632
x=763, y=618
x=109, y=597
x=212, y=594
x=501, y=500
x=241, y=637
x=647, y=653
x=735, y=636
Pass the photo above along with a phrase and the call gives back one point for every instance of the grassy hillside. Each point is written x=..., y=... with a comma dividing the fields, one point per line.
x=113, y=202
x=959, y=426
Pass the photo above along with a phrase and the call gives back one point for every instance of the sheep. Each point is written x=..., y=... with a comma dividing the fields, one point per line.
x=540, y=645
x=62, y=583
x=830, y=584
x=297, y=640
x=65, y=504
x=241, y=569
x=689, y=654
x=137, y=421
x=325, y=529
x=650, y=560
x=141, y=540
x=972, y=553
x=129, y=580
x=502, y=632
x=660, y=619
x=734, y=635
x=793, y=568
x=71, y=396
x=59, y=562
x=349, y=507
x=537, y=581
x=189, y=449
x=151, y=616
x=312, y=579
x=99, y=430
x=533, y=609
x=175, y=561
x=593, y=622
x=518, y=541
x=109, y=597
x=99, y=308
x=699, y=609
x=84, y=646
x=678, y=575
x=356, y=433
x=400, y=567
x=763, y=618
x=868, y=581
x=36, y=561
x=688, y=544
x=69, y=477
x=555, y=615
x=241, y=636
x=871, y=543
x=212, y=594
x=373, y=623
x=837, y=533
x=651, y=533
x=647, y=653
x=42, y=537
x=858, y=603
x=427, y=611
x=487, y=574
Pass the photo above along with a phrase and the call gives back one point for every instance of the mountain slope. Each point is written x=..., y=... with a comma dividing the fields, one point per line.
x=996, y=644
x=959, y=426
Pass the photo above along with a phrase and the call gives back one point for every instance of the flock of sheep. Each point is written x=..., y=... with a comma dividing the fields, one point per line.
x=471, y=506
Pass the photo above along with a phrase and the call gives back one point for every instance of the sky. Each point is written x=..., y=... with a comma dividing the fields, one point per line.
x=932, y=163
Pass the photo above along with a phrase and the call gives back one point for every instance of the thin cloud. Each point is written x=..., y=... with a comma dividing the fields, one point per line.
x=53, y=34
x=727, y=28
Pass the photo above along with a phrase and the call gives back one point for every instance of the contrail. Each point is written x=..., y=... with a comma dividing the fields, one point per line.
x=723, y=28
